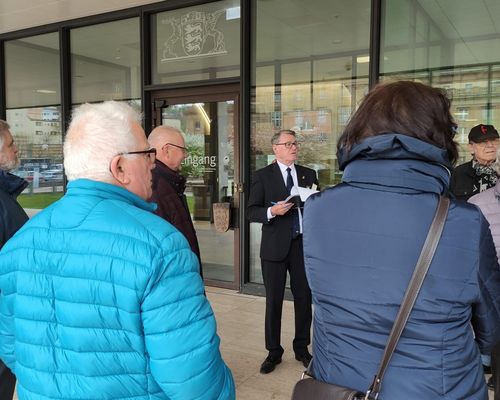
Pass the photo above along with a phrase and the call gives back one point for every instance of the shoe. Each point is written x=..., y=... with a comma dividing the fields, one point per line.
x=305, y=358
x=269, y=364
x=491, y=384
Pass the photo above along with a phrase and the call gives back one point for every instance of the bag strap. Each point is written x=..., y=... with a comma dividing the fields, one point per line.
x=421, y=268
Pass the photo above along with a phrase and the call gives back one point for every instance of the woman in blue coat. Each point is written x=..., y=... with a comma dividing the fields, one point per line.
x=362, y=239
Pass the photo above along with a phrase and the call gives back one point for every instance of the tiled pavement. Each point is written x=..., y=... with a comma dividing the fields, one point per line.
x=240, y=324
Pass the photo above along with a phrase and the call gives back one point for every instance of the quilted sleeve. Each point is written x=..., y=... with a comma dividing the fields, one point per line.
x=7, y=326
x=180, y=329
x=486, y=315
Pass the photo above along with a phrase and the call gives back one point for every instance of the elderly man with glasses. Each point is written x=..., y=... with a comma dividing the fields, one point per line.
x=100, y=298
x=281, y=246
x=169, y=185
x=477, y=175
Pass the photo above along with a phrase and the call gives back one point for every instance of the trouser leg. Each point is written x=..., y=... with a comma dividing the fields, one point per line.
x=7, y=383
x=301, y=298
x=274, y=276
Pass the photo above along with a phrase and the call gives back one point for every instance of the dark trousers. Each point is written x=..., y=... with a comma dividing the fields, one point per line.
x=7, y=383
x=274, y=276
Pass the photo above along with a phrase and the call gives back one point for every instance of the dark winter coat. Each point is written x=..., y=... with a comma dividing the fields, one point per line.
x=168, y=194
x=362, y=239
x=12, y=215
x=464, y=182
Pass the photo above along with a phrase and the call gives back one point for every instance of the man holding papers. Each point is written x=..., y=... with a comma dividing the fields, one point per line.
x=281, y=245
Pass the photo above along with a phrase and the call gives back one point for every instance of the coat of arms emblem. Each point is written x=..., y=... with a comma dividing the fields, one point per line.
x=194, y=30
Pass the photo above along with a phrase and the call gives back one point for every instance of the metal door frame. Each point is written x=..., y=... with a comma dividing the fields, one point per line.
x=204, y=94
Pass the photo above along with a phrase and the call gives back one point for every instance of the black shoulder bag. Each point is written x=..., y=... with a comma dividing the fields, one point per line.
x=310, y=388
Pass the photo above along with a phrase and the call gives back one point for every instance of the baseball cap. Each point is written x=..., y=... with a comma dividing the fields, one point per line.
x=481, y=133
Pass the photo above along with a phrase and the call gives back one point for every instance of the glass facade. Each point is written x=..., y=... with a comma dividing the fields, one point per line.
x=33, y=112
x=106, y=62
x=308, y=74
x=452, y=45
x=308, y=70
x=197, y=43
x=209, y=168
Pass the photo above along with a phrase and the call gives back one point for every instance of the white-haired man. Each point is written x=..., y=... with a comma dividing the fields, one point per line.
x=12, y=217
x=100, y=298
x=169, y=184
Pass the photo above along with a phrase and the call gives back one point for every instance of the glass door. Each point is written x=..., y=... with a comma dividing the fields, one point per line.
x=208, y=117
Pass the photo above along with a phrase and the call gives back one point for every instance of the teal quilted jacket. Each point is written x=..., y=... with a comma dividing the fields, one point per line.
x=101, y=299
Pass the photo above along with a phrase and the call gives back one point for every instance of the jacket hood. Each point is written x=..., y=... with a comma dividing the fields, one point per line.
x=396, y=162
x=12, y=184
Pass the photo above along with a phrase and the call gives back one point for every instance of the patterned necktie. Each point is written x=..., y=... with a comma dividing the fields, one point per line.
x=295, y=214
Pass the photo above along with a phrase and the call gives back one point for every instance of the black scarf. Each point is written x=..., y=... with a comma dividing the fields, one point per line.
x=486, y=175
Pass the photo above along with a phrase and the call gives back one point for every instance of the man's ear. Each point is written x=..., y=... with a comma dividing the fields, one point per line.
x=471, y=148
x=117, y=168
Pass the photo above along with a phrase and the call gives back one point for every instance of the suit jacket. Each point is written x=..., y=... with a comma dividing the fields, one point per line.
x=268, y=186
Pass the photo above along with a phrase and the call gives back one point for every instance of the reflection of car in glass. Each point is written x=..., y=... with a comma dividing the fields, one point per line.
x=28, y=175
x=52, y=175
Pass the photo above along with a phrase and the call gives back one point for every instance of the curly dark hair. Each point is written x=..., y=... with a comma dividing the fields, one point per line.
x=405, y=107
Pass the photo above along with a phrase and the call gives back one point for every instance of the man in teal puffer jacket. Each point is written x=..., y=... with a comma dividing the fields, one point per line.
x=100, y=298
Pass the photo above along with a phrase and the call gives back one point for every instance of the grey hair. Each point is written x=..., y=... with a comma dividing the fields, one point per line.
x=276, y=137
x=4, y=127
x=97, y=133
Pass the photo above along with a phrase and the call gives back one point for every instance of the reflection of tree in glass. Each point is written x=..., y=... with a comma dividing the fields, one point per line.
x=191, y=169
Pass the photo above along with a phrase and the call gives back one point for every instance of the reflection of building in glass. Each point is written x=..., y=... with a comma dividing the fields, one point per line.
x=37, y=132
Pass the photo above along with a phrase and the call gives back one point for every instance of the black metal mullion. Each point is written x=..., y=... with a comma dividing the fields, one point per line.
x=3, y=94
x=246, y=74
x=375, y=37
x=146, y=45
x=65, y=77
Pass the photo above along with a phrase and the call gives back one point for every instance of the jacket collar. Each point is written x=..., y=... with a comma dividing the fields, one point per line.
x=395, y=162
x=12, y=184
x=174, y=177
x=107, y=191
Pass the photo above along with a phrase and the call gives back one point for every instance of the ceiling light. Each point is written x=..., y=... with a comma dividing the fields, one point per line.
x=363, y=59
x=45, y=91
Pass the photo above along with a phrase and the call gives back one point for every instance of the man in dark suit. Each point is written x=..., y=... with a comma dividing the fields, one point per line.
x=281, y=246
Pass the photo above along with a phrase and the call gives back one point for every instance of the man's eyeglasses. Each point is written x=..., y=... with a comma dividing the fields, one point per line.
x=492, y=142
x=288, y=145
x=184, y=149
x=151, y=153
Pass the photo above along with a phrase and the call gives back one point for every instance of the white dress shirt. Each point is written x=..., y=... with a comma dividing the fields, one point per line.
x=284, y=174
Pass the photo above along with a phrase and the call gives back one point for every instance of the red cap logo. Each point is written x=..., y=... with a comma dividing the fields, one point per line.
x=484, y=129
